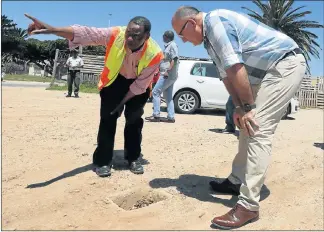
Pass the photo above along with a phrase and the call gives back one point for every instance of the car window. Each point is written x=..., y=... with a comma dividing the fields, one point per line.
x=196, y=70
x=205, y=70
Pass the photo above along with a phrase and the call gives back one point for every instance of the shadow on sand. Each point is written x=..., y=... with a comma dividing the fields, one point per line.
x=197, y=187
x=118, y=164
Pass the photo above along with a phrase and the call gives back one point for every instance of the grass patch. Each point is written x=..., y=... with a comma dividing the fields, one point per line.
x=13, y=77
x=84, y=88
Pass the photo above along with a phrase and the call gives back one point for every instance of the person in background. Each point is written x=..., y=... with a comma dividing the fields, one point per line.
x=132, y=58
x=153, y=83
x=168, y=75
x=74, y=63
x=230, y=125
x=2, y=72
x=245, y=49
x=230, y=109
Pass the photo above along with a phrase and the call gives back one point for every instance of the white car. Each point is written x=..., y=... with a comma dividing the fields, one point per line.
x=199, y=86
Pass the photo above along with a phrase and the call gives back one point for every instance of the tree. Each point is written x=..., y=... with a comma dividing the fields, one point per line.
x=21, y=33
x=13, y=40
x=280, y=15
x=94, y=50
x=6, y=25
x=39, y=52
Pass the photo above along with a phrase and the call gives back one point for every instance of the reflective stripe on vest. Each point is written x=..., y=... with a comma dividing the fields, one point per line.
x=115, y=54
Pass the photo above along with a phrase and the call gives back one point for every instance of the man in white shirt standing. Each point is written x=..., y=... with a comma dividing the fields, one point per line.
x=2, y=72
x=75, y=63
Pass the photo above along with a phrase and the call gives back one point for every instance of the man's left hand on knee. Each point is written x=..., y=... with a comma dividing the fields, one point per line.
x=246, y=121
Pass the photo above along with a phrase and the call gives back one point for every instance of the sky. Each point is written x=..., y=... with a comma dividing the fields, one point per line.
x=118, y=13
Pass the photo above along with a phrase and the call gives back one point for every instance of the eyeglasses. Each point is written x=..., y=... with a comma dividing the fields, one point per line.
x=184, y=26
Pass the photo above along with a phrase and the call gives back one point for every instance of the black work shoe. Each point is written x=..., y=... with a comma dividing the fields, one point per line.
x=136, y=167
x=168, y=120
x=69, y=95
x=226, y=187
x=103, y=171
x=153, y=119
x=228, y=131
x=76, y=95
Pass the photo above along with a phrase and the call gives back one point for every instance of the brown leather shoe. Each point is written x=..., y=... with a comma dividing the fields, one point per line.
x=235, y=218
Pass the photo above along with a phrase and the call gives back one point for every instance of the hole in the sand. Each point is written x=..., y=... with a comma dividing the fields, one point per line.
x=139, y=199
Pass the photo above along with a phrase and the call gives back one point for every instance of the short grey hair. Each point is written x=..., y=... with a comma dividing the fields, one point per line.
x=186, y=12
x=169, y=35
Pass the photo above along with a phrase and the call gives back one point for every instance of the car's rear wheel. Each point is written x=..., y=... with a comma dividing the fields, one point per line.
x=186, y=102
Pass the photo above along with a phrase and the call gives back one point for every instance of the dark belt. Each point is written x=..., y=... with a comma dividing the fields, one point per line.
x=74, y=71
x=259, y=73
x=292, y=53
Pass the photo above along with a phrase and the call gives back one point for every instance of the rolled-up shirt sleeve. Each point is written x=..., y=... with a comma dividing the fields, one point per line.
x=220, y=69
x=224, y=39
x=84, y=35
x=143, y=81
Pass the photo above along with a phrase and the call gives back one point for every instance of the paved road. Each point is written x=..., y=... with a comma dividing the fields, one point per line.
x=25, y=84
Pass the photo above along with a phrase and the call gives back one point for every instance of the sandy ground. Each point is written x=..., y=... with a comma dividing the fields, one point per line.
x=48, y=182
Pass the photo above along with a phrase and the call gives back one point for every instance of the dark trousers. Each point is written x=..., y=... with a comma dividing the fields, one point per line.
x=73, y=78
x=111, y=96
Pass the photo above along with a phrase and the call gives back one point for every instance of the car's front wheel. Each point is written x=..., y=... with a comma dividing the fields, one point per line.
x=186, y=102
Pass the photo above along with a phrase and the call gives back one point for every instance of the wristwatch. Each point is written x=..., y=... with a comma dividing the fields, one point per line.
x=248, y=107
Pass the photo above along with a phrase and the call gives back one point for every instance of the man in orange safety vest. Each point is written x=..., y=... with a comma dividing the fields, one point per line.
x=132, y=57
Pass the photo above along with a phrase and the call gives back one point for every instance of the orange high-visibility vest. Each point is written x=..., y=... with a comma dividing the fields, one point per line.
x=115, y=54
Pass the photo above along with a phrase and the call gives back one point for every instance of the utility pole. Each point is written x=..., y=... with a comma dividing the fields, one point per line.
x=80, y=49
x=55, y=66
x=109, y=19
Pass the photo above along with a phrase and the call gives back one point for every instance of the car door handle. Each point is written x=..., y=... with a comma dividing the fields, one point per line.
x=200, y=81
